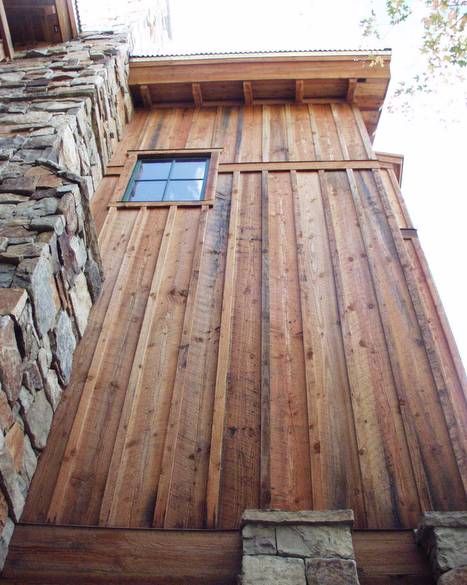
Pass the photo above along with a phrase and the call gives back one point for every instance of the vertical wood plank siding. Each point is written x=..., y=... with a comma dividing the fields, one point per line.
x=283, y=348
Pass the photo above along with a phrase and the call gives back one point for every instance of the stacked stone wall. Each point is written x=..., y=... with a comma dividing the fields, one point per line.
x=298, y=548
x=62, y=111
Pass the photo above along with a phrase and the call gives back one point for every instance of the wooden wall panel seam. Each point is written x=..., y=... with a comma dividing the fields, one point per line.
x=265, y=396
x=163, y=493
x=363, y=133
x=75, y=437
x=411, y=438
x=223, y=362
x=108, y=504
x=338, y=123
x=398, y=192
x=338, y=288
x=300, y=270
x=315, y=137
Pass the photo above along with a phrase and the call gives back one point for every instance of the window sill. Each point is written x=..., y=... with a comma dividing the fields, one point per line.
x=137, y=204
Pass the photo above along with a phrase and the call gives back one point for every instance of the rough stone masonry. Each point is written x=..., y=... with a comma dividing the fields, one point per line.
x=298, y=548
x=62, y=111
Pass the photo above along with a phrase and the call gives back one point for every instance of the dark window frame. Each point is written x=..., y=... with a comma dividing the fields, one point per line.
x=133, y=156
x=173, y=159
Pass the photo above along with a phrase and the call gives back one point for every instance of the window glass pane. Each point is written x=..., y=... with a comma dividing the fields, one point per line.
x=154, y=170
x=148, y=191
x=184, y=191
x=188, y=169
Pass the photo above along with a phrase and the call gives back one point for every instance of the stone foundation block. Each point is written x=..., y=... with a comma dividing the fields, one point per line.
x=443, y=536
x=331, y=572
x=315, y=541
x=271, y=570
x=454, y=577
x=259, y=540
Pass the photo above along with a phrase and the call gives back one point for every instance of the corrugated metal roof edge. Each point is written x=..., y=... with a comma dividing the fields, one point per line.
x=384, y=51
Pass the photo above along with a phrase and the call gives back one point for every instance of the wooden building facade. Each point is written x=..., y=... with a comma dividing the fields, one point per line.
x=280, y=345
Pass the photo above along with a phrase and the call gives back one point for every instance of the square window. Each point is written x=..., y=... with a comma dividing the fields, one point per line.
x=168, y=179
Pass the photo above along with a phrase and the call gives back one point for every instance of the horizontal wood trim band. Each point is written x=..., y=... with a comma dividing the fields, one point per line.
x=251, y=167
x=71, y=555
x=237, y=103
x=174, y=151
x=147, y=72
x=331, y=165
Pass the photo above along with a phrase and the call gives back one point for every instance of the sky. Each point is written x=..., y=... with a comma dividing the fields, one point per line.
x=432, y=137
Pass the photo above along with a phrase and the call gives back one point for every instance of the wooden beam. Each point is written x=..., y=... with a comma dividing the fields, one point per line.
x=146, y=96
x=351, y=87
x=5, y=33
x=197, y=94
x=299, y=91
x=248, y=93
x=161, y=72
x=71, y=555
x=386, y=556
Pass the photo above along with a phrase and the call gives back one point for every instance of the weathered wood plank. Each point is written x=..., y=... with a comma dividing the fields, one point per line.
x=289, y=444
x=119, y=232
x=240, y=478
x=329, y=145
x=438, y=430
x=188, y=500
x=118, y=498
x=223, y=361
x=389, y=489
x=250, y=147
x=175, y=428
x=335, y=471
x=226, y=132
x=389, y=556
x=69, y=555
x=265, y=397
x=88, y=443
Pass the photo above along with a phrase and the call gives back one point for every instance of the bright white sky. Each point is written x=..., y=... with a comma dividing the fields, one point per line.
x=434, y=183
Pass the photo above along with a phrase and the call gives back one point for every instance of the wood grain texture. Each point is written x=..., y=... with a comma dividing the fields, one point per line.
x=281, y=347
x=59, y=555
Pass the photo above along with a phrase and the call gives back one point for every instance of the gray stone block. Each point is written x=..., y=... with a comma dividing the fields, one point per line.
x=38, y=419
x=259, y=540
x=36, y=276
x=9, y=480
x=315, y=541
x=454, y=577
x=322, y=517
x=270, y=570
x=64, y=346
x=450, y=548
x=11, y=370
x=331, y=572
